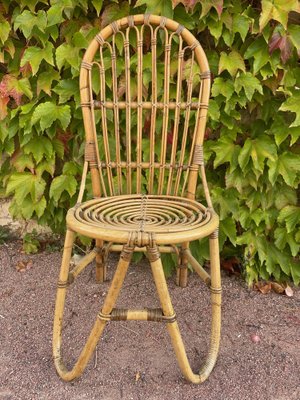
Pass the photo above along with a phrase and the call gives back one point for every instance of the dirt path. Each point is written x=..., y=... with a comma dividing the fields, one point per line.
x=135, y=359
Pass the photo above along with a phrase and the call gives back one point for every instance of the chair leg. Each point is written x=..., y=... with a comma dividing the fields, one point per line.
x=100, y=322
x=173, y=329
x=100, y=263
x=182, y=268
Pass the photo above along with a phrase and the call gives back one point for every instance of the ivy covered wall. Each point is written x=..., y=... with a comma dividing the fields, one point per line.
x=252, y=139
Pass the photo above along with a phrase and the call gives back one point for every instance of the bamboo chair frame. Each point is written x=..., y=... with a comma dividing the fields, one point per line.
x=166, y=218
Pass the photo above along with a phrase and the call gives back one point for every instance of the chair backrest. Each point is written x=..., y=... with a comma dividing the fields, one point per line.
x=145, y=86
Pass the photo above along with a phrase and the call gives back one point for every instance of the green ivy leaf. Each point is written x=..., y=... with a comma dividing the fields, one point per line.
x=231, y=62
x=45, y=80
x=288, y=166
x=184, y=18
x=67, y=55
x=258, y=150
x=226, y=200
x=240, y=24
x=290, y=215
x=71, y=168
x=213, y=110
x=294, y=33
x=223, y=87
x=295, y=134
x=28, y=20
x=215, y=28
x=66, y=89
x=25, y=183
x=292, y=105
x=249, y=83
x=278, y=10
x=54, y=13
x=39, y=147
x=158, y=7
x=113, y=12
x=22, y=162
x=60, y=184
x=80, y=41
x=224, y=150
x=244, y=155
x=98, y=5
x=258, y=49
x=275, y=258
x=4, y=31
x=48, y=112
x=283, y=238
x=29, y=207
x=35, y=55
x=285, y=196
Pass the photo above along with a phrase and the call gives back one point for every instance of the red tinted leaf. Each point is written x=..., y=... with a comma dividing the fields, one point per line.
x=3, y=106
x=207, y=133
x=282, y=43
x=65, y=137
x=231, y=265
x=26, y=70
x=147, y=125
x=7, y=88
x=285, y=48
x=188, y=4
x=170, y=137
x=219, y=7
x=274, y=42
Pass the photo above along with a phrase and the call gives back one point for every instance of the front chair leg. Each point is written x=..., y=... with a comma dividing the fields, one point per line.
x=100, y=322
x=173, y=329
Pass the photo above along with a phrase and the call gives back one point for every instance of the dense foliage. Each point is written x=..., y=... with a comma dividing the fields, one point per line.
x=252, y=136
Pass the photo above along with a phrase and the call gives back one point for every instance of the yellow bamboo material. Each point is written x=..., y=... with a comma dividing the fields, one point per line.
x=182, y=268
x=162, y=249
x=83, y=263
x=148, y=105
x=145, y=178
x=100, y=262
x=99, y=325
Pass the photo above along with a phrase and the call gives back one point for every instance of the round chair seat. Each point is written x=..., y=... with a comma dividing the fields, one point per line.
x=169, y=219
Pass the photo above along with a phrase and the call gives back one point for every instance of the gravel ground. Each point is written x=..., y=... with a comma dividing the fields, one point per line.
x=135, y=360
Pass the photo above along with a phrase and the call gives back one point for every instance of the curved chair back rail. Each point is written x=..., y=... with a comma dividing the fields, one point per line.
x=145, y=85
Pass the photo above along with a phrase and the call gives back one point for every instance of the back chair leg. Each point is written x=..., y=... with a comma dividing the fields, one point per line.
x=182, y=268
x=100, y=262
x=100, y=322
x=173, y=329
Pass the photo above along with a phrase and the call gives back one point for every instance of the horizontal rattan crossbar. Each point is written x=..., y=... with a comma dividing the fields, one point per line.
x=145, y=86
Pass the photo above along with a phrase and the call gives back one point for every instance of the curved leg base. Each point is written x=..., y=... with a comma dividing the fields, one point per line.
x=109, y=313
x=99, y=324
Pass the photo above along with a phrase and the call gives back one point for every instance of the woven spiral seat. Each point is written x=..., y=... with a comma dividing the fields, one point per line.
x=116, y=217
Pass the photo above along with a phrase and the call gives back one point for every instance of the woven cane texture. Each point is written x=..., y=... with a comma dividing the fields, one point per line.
x=144, y=214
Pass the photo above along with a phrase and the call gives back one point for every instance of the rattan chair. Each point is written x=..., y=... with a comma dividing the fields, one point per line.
x=145, y=86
